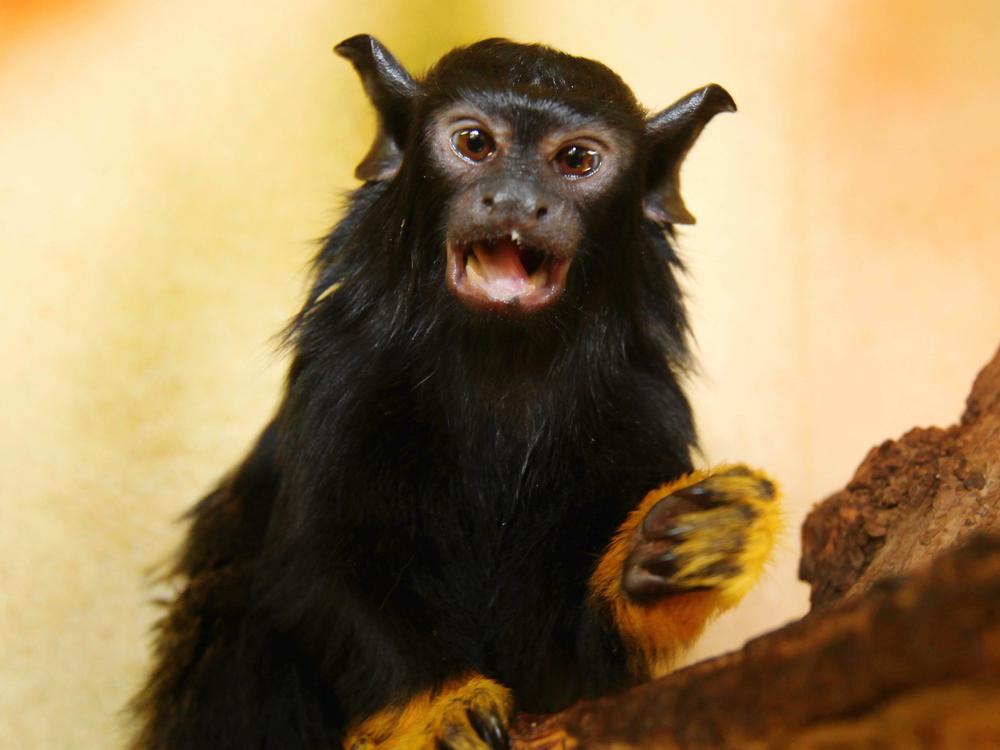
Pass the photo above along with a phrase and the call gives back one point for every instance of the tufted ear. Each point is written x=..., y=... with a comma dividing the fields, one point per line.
x=391, y=89
x=670, y=135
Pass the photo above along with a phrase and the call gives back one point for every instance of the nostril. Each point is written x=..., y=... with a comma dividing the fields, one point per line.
x=488, y=201
x=540, y=213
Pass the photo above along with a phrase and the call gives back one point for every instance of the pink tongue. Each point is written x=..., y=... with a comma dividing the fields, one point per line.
x=503, y=274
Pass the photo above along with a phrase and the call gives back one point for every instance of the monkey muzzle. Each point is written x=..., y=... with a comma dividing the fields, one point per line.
x=505, y=274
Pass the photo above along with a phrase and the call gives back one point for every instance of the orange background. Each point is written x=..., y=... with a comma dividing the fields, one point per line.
x=165, y=168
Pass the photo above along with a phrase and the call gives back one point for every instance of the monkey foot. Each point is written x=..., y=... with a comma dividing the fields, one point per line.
x=708, y=532
x=470, y=714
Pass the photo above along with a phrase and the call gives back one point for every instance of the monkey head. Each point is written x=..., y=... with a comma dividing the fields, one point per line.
x=522, y=164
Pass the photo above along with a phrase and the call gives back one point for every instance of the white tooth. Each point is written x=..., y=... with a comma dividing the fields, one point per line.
x=515, y=235
x=539, y=278
x=473, y=271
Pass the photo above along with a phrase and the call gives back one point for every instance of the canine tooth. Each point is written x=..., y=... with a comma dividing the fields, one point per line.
x=515, y=236
x=539, y=278
x=474, y=271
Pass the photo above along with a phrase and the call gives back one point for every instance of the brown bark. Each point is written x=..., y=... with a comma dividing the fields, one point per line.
x=912, y=661
x=910, y=499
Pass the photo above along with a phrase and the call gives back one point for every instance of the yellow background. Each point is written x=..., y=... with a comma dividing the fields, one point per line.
x=166, y=166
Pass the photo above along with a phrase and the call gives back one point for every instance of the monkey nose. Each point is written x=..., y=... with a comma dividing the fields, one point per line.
x=522, y=209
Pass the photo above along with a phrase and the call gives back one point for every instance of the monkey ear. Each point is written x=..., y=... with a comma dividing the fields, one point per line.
x=391, y=89
x=670, y=135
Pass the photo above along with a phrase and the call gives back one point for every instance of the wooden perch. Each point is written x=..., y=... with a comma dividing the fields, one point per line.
x=921, y=656
x=912, y=661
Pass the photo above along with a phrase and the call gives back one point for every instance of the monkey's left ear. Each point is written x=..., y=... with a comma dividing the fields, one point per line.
x=670, y=135
x=391, y=89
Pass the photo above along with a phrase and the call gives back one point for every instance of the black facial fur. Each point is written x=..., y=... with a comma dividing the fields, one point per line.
x=446, y=467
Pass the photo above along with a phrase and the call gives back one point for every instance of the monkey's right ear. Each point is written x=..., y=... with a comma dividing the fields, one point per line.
x=391, y=89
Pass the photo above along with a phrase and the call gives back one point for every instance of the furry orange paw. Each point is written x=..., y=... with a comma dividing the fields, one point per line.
x=711, y=533
x=470, y=714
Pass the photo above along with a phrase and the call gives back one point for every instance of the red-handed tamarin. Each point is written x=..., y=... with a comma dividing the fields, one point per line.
x=477, y=493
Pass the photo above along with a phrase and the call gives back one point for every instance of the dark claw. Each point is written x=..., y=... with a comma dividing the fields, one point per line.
x=479, y=724
x=695, y=490
x=489, y=730
x=650, y=571
x=700, y=496
x=501, y=741
x=679, y=531
x=661, y=520
x=664, y=564
x=641, y=584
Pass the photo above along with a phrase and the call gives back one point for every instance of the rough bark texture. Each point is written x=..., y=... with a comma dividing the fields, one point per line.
x=912, y=661
x=910, y=499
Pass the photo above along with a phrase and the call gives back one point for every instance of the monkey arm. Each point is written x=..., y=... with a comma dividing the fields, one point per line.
x=691, y=549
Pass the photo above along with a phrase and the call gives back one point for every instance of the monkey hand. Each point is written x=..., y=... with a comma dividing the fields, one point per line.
x=471, y=713
x=706, y=532
x=691, y=549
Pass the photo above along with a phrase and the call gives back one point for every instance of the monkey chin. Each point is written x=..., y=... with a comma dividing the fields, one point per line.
x=505, y=275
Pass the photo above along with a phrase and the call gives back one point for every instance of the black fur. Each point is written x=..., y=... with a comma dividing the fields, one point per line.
x=438, y=483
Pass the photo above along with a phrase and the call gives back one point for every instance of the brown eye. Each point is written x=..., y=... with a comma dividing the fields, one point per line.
x=577, y=161
x=473, y=144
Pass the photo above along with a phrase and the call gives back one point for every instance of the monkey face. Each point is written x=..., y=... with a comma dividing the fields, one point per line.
x=521, y=180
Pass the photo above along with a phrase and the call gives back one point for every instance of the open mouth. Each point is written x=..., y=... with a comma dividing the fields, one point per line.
x=505, y=273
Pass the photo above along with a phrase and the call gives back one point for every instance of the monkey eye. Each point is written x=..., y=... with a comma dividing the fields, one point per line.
x=577, y=161
x=473, y=144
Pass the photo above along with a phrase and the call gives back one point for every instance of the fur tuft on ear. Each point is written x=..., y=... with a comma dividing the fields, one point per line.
x=671, y=134
x=391, y=89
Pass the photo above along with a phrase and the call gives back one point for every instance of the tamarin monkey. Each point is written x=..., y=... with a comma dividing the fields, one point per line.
x=477, y=494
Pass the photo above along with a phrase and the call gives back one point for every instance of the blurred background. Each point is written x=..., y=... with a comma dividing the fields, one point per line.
x=165, y=169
